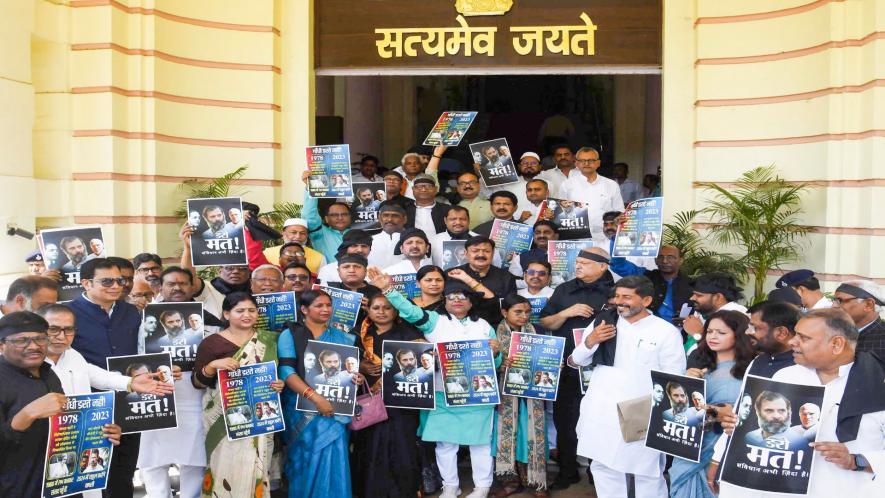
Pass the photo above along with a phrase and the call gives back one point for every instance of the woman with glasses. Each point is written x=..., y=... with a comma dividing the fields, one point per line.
x=465, y=425
x=521, y=452
x=724, y=353
x=240, y=467
x=317, y=462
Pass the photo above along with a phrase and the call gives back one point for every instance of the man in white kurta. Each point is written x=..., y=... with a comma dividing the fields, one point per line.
x=644, y=342
x=601, y=194
x=415, y=249
x=825, y=356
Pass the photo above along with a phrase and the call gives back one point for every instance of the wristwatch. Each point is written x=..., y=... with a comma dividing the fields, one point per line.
x=860, y=463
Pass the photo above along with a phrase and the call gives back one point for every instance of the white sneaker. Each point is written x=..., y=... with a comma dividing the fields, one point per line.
x=450, y=492
x=479, y=493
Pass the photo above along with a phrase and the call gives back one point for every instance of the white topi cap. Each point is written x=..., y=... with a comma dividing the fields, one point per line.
x=529, y=154
x=295, y=222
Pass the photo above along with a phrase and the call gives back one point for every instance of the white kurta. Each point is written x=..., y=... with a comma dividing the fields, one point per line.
x=823, y=302
x=383, y=244
x=650, y=343
x=555, y=178
x=827, y=479
x=405, y=267
x=601, y=196
x=545, y=292
x=184, y=445
x=79, y=377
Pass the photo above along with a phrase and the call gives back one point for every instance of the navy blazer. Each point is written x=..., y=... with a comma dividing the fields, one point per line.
x=99, y=335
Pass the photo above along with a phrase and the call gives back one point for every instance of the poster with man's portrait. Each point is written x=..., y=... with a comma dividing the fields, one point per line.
x=136, y=412
x=218, y=238
x=407, y=379
x=572, y=217
x=676, y=425
x=332, y=374
x=364, y=206
x=453, y=254
x=174, y=328
x=770, y=448
x=66, y=249
x=495, y=162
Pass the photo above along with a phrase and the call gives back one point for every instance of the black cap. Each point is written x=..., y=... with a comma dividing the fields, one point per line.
x=351, y=258
x=794, y=277
x=785, y=295
x=353, y=237
x=34, y=257
x=392, y=207
x=22, y=321
x=407, y=234
x=452, y=286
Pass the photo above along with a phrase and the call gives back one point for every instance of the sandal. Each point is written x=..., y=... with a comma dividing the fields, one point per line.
x=507, y=489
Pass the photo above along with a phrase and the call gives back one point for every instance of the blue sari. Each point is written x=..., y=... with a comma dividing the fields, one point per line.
x=689, y=479
x=317, y=462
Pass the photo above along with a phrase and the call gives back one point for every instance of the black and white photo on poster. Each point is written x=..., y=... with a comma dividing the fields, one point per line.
x=135, y=412
x=218, y=238
x=330, y=370
x=364, y=206
x=407, y=379
x=453, y=254
x=571, y=216
x=66, y=249
x=770, y=448
x=676, y=424
x=174, y=328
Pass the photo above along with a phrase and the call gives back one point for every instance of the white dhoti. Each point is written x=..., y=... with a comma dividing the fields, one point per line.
x=610, y=483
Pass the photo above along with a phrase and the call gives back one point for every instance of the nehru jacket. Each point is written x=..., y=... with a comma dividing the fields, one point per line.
x=100, y=335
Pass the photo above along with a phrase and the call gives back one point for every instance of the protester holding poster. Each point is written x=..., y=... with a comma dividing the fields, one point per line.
x=397, y=365
x=448, y=426
x=239, y=467
x=334, y=382
x=137, y=412
x=523, y=462
x=724, y=354
x=275, y=310
x=562, y=254
x=174, y=331
x=65, y=250
x=572, y=218
x=495, y=162
x=450, y=128
x=313, y=469
x=846, y=386
x=251, y=406
x=214, y=239
x=675, y=426
x=345, y=307
x=329, y=169
x=622, y=266
x=511, y=239
x=366, y=202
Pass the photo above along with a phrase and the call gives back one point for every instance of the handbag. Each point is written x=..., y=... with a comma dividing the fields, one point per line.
x=369, y=411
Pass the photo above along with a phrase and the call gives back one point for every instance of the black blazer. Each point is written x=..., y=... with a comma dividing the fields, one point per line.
x=437, y=214
x=681, y=290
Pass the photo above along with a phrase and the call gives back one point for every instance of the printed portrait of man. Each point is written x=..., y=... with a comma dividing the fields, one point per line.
x=774, y=413
x=657, y=394
x=408, y=367
x=426, y=367
x=330, y=363
x=367, y=202
x=76, y=252
x=219, y=227
x=175, y=333
x=387, y=361
x=680, y=410
x=96, y=246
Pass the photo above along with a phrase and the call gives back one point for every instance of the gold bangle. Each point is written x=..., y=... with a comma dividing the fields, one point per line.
x=478, y=284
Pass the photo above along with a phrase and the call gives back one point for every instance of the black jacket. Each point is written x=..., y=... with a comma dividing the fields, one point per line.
x=872, y=338
x=437, y=214
x=681, y=291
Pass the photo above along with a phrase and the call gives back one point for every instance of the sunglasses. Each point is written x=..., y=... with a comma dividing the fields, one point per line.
x=297, y=278
x=57, y=331
x=109, y=282
x=539, y=273
x=23, y=342
x=456, y=297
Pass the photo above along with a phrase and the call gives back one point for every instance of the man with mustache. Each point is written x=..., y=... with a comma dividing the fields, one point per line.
x=672, y=287
x=468, y=189
x=774, y=413
x=427, y=214
x=415, y=248
x=536, y=192
x=710, y=293
x=624, y=353
x=408, y=367
x=294, y=230
x=457, y=222
x=330, y=362
x=503, y=205
x=480, y=254
x=148, y=268
x=355, y=241
x=565, y=169
x=600, y=194
x=544, y=232
x=393, y=221
x=29, y=293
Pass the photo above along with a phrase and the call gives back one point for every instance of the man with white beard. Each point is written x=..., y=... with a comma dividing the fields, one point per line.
x=623, y=355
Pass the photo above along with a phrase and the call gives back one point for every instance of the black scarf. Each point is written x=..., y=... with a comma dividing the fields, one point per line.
x=226, y=288
x=605, y=353
x=864, y=393
x=463, y=236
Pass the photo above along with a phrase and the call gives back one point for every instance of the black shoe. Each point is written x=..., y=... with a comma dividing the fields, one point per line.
x=564, y=482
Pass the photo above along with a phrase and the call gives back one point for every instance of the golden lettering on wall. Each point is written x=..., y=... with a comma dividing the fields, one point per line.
x=465, y=40
x=483, y=7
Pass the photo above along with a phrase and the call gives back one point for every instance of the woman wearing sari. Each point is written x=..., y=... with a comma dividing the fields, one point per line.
x=431, y=282
x=521, y=453
x=463, y=425
x=724, y=354
x=317, y=443
x=386, y=463
x=234, y=468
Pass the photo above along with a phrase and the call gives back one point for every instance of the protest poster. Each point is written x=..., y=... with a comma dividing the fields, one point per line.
x=468, y=373
x=367, y=199
x=65, y=250
x=453, y=254
x=639, y=235
x=584, y=373
x=218, y=238
x=534, y=366
x=135, y=412
x=407, y=379
x=174, y=328
x=450, y=128
x=275, y=309
x=510, y=238
x=769, y=449
x=571, y=217
x=561, y=255
x=345, y=307
x=332, y=367
x=495, y=162
x=537, y=304
x=406, y=284
x=329, y=167
x=78, y=455
x=676, y=425
x=251, y=407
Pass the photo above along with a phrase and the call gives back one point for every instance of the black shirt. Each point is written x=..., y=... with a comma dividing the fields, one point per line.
x=766, y=365
x=594, y=294
x=23, y=453
x=486, y=227
x=872, y=338
x=501, y=283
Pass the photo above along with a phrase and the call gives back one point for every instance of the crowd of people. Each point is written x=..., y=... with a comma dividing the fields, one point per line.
x=631, y=308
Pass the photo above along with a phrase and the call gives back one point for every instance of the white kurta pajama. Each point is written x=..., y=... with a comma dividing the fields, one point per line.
x=650, y=343
x=827, y=479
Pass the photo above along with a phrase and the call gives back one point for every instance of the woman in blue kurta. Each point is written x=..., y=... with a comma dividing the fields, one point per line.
x=450, y=427
x=725, y=352
x=317, y=443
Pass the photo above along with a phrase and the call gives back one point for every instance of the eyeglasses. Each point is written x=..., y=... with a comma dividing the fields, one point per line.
x=297, y=278
x=668, y=257
x=145, y=295
x=293, y=254
x=23, y=342
x=423, y=186
x=267, y=280
x=467, y=184
x=586, y=161
x=57, y=331
x=109, y=282
x=456, y=297
x=149, y=269
x=337, y=215
x=839, y=301
x=539, y=273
